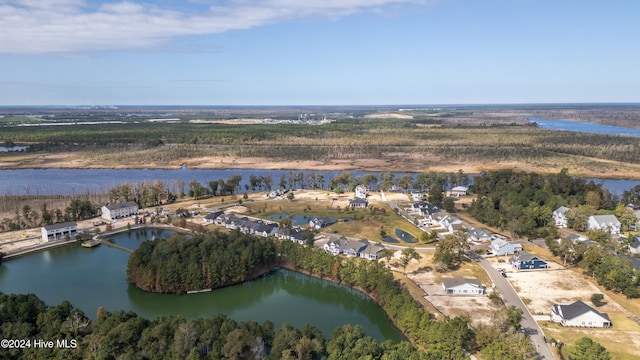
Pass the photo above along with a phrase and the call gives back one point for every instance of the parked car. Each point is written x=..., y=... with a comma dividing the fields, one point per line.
x=504, y=274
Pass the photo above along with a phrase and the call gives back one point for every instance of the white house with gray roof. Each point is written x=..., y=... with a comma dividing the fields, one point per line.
x=608, y=223
x=479, y=235
x=371, y=252
x=502, y=247
x=634, y=246
x=560, y=216
x=462, y=286
x=121, y=210
x=361, y=192
x=58, y=231
x=579, y=314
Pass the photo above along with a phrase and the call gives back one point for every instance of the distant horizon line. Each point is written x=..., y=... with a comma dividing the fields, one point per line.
x=116, y=106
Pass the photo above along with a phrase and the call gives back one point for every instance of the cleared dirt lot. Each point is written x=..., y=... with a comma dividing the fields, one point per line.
x=478, y=308
x=540, y=289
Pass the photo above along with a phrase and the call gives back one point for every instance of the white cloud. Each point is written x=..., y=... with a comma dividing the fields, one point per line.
x=76, y=27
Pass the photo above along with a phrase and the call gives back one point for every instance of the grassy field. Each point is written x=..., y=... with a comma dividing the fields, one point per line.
x=363, y=223
x=621, y=340
x=472, y=141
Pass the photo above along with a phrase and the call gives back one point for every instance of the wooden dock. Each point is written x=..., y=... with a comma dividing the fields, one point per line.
x=91, y=243
x=108, y=243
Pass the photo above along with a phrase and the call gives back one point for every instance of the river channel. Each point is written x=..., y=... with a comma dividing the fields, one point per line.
x=90, y=278
x=80, y=181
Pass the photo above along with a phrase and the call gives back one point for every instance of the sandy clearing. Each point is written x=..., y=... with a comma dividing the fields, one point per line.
x=392, y=162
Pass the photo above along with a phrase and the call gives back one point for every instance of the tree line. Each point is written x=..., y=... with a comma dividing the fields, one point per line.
x=450, y=338
x=523, y=203
x=125, y=335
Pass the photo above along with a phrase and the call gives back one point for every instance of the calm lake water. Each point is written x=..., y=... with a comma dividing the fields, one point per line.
x=90, y=278
x=578, y=126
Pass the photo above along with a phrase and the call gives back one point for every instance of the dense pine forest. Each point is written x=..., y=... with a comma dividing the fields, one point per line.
x=205, y=261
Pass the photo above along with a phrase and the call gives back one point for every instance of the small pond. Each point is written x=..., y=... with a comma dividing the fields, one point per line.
x=404, y=236
x=389, y=239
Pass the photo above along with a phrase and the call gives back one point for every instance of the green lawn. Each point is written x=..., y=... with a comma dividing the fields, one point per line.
x=364, y=223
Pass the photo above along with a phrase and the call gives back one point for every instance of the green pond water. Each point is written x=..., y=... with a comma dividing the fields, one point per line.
x=90, y=278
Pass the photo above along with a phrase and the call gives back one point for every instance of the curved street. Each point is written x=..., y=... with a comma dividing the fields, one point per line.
x=510, y=297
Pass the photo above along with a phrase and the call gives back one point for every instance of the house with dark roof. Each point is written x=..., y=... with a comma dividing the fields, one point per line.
x=462, y=286
x=266, y=229
x=320, y=222
x=579, y=314
x=358, y=203
x=296, y=235
x=211, y=217
x=121, y=210
x=58, y=231
x=527, y=261
x=371, y=252
x=634, y=246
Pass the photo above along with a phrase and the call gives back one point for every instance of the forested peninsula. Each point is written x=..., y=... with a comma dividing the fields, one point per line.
x=205, y=261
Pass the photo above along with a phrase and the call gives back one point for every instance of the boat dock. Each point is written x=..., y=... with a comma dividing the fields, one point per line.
x=108, y=243
x=91, y=243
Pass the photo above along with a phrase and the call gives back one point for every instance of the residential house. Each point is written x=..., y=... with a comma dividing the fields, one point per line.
x=320, y=222
x=336, y=245
x=634, y=246
x=211, y=218
x=416, y=195
x=121, y=210
x=296, y=235
x=527, y=261
x=579, y=314
x=266, y=229
x=371, y=252
x=361, y=191
x=276, y=193
x=451, y=224
x=576, y=239
x=560, y=216
x=58, y=231
x=358, y=203
x=427, y=210
x=502, y=247
x=459, y=191
x=635, y=225
x=479, y=235
x=462, y=286
x=608, y=223
x=353, y=248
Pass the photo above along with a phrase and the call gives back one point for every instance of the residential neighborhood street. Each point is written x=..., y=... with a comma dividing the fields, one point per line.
x=510, y=297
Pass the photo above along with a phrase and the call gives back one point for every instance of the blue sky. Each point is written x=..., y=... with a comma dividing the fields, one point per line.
x=324, y=52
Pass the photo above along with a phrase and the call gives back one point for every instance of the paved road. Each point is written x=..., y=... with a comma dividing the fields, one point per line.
x=510, y=297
